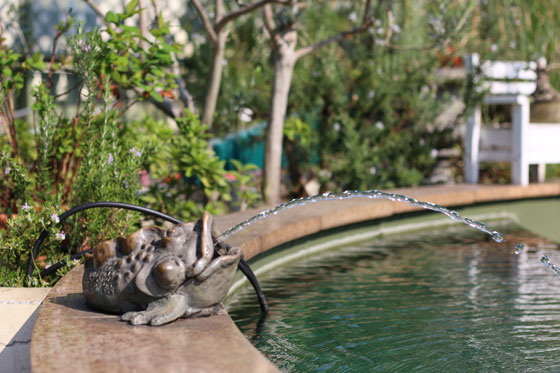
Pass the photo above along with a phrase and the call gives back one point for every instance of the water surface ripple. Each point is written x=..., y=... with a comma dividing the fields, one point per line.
x=449, y=301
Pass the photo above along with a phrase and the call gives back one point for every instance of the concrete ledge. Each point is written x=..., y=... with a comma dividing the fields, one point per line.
x=18, y=312
x=70, y=336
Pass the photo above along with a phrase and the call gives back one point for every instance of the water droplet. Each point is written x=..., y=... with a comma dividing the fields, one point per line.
x=519, y=248
x=497, y=236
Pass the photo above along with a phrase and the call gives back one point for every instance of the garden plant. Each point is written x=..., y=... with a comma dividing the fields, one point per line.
x=362, y=110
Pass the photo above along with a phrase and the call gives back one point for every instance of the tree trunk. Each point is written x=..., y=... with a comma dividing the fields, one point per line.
x=283, y=69
x=215, y=79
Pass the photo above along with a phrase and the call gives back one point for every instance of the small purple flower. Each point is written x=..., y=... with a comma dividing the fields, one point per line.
x=137, y=153
x=25, y=206
x=85, y=48
x=7, y=170
x=55, y=218
x=110, y=159
x=60, y=236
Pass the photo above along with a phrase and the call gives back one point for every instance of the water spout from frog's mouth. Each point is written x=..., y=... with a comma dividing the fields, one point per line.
x=371, y=194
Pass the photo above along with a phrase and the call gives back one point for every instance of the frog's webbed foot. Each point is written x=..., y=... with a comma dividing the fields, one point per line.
x=203, y=312
x=159, y=312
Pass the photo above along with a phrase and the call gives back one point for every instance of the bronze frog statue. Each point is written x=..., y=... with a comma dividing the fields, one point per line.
x=156, y=276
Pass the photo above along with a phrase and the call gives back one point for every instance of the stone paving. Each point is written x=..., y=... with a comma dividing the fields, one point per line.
x=18, y=312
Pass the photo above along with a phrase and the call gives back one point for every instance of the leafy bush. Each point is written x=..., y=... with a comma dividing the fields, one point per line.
x=92, y=154
x=189, y=177
x=76, y=160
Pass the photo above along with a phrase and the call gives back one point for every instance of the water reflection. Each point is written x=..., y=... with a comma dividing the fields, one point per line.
x=411, y=302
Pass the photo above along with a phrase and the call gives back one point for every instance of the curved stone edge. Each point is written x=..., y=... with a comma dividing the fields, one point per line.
x=321, y=216
x=68, y=334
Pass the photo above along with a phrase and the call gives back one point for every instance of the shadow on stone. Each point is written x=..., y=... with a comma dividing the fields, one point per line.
x=76, y=301
x=16, y=355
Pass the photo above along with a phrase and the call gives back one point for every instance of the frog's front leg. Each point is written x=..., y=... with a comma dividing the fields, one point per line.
x=160, y=311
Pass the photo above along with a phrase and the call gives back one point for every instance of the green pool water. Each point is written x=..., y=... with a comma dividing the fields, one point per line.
x=441, y=300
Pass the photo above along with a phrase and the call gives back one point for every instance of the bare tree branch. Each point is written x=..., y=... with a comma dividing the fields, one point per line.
x=143, y=24
x=468, y=11
x=367, y=22
x=184, y=94
x=167, y=107
x=205, y=20
x=270, y=25
x=340, y=36
x=154, y=5
x=95, y=9
x=219, y=10
x=246, y=9
x=366, y=12
x=390, y=24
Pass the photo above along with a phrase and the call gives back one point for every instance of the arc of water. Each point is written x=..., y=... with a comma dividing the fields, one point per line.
x=372, y=194
x=546, y=261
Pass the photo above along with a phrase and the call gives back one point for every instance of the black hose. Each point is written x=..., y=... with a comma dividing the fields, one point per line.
x=248, y=272
x=243, y=265
x=87, y=206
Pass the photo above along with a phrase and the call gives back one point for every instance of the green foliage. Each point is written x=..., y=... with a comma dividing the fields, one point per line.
x=189, y=176
x=123, y=58
x=13, y=69
x=361, y=112
x=517, y=30
x=368, y=103
x=76, y=159
x=243, y=185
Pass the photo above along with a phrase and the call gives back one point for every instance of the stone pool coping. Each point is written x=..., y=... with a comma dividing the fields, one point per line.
x=68, y=335
x=18, y=312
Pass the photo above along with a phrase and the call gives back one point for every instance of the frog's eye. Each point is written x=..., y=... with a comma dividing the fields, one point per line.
x=169, y=273
x=102, y=252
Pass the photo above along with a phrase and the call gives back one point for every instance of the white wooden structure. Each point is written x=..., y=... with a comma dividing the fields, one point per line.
x=525, y=143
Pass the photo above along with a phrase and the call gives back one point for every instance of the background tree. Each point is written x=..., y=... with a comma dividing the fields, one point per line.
x=218, y=31
x=283, y=30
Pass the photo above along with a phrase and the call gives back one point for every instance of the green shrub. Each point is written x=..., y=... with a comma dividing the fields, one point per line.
x=93, y=154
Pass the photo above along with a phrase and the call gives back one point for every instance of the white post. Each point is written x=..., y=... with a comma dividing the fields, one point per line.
x=472, y=142
x=520, y=124
x=541, y=172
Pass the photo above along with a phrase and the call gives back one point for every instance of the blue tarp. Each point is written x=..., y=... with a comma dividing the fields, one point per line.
x=247, y=146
